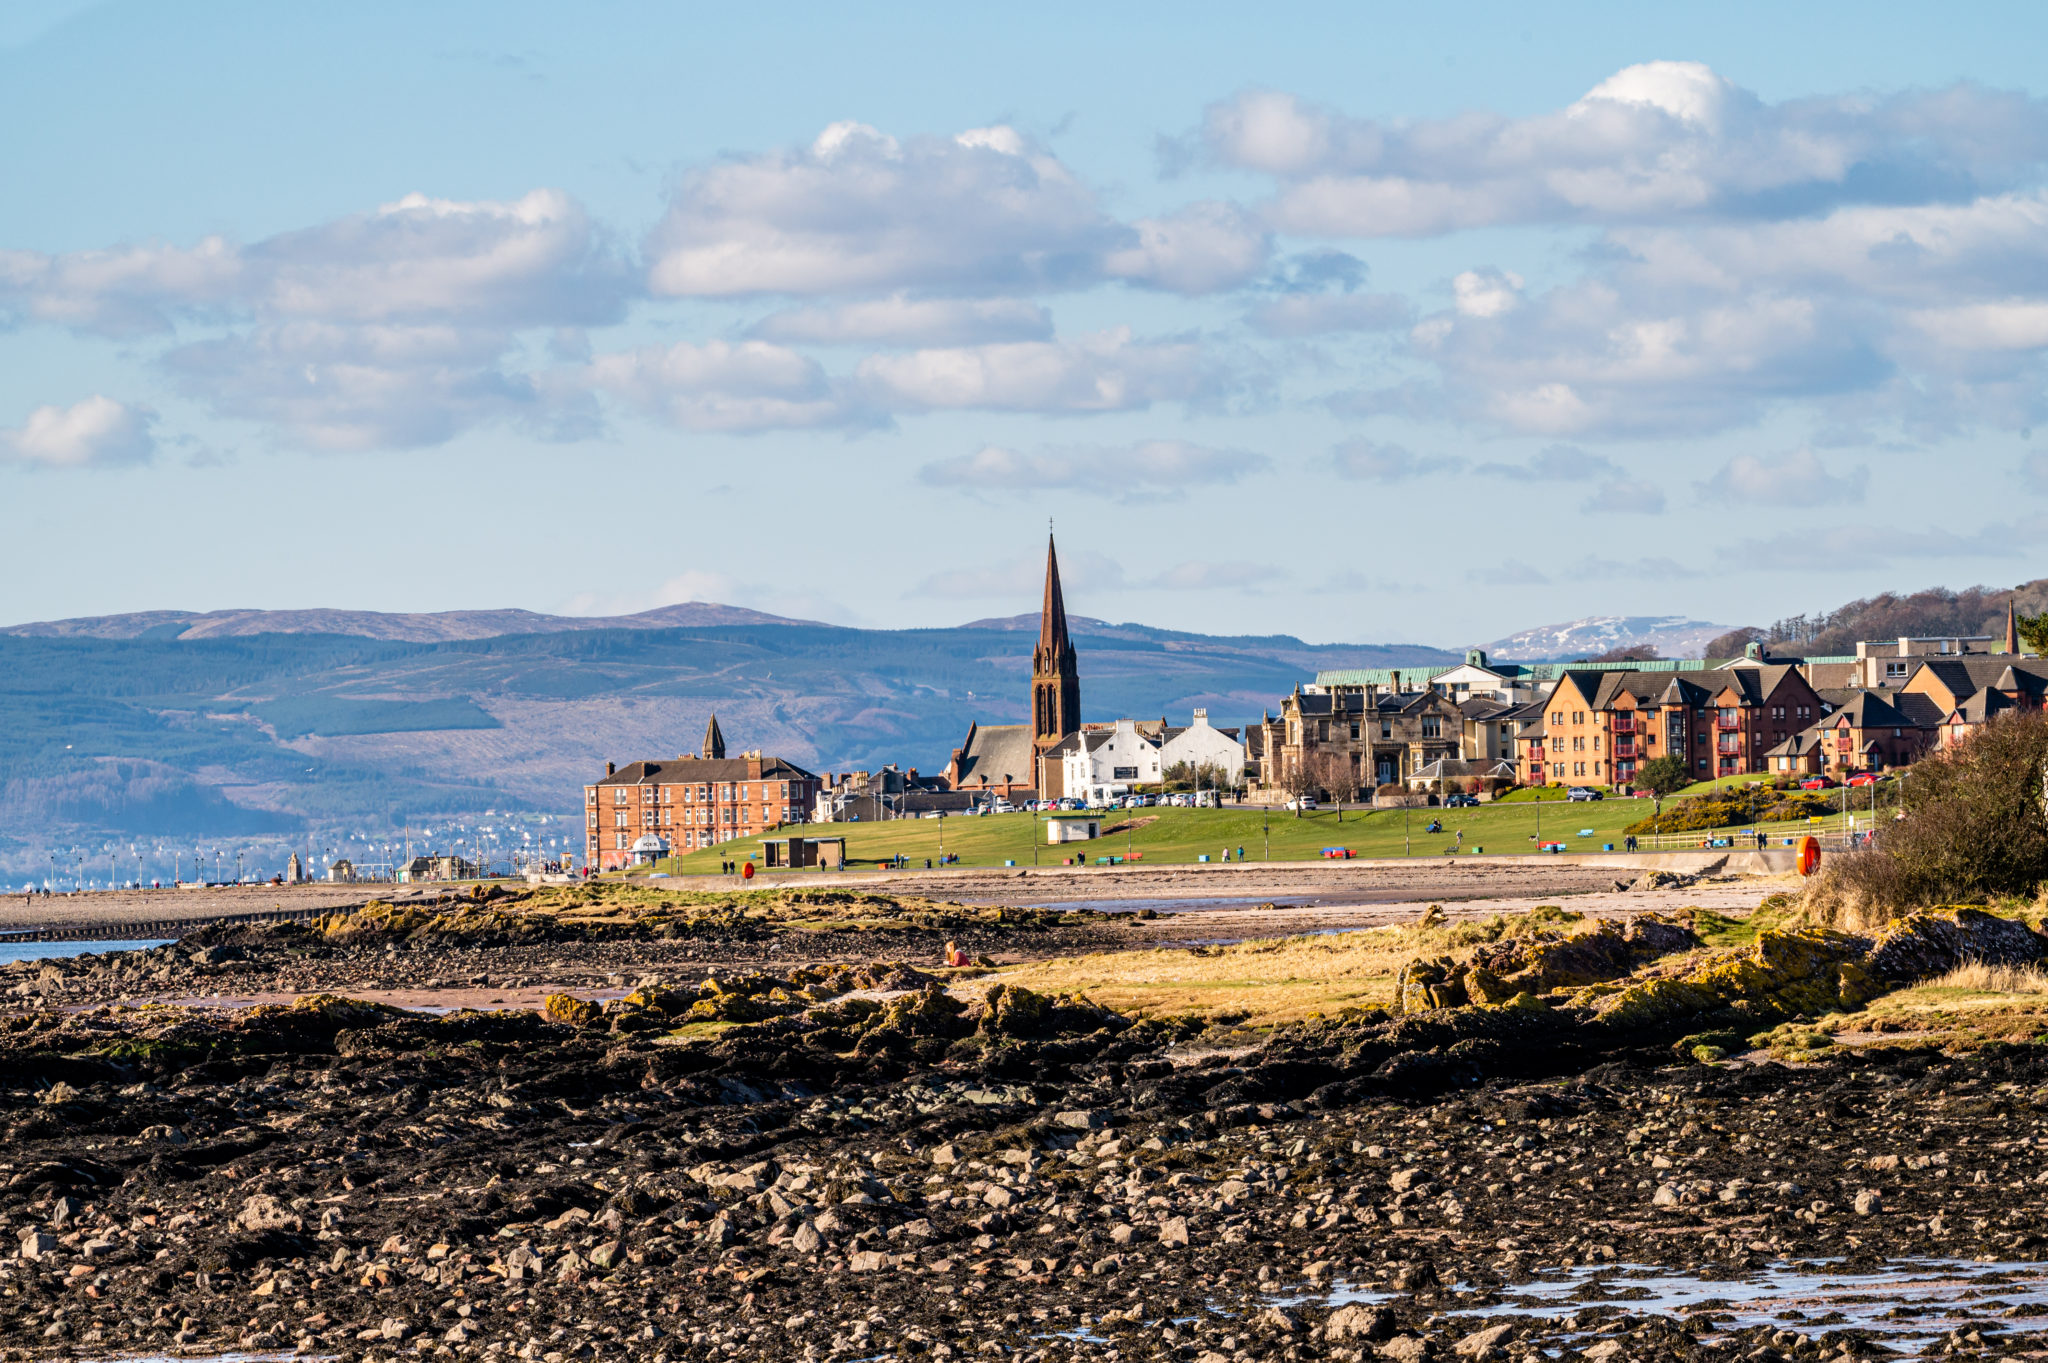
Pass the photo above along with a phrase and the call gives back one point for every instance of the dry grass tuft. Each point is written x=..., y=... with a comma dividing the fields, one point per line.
x=1977, y=977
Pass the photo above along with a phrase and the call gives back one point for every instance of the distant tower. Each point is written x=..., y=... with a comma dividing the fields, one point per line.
x=1055, y=676
x=714, y=741
x=2012, y=624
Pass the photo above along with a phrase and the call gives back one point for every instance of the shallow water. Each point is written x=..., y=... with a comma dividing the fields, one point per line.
x=58, y=951
x=1183, y=905
x=1910, y=1304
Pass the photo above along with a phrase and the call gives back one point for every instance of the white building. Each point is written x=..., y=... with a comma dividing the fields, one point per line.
x=1103, y=762
x=1202, y=745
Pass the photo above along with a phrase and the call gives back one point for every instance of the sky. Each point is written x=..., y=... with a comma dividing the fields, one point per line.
x=1357, y=322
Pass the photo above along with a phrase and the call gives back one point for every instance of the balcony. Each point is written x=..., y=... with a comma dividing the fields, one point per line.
x=1624, y=747
x=1624, y=724
x=1728, y=744
x=1732, y=720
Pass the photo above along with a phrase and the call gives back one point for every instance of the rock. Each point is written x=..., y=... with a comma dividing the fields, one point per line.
x=64, y=1211
x=1406, y=1349
x=37, y=1244
x=59, y=1092
x=1371, y=1323
x=1277, y=1320
x=264, y=1212
x=1000, y=1197
x=1922, y=945
x=1868, y=1202
x=1122, y=1234
x=1416, y=1277
x=1401, y=1180
x=1603, y=1351
x=867, y=1261
x=946, y=1154
x=1666, y=1196
x=806, y=1240
x=605, y=1255
x=1482, y=1343
x=572, y=1011
x=1173, y=1231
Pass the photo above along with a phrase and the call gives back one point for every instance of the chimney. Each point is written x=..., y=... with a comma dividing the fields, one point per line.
x=611, y=768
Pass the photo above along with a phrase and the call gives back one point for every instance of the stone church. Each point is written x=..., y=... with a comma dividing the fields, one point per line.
x=1017, y=761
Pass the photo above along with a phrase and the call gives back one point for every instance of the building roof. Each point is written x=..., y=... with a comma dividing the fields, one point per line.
x=1968, y=675
x=692, y=769
x=1981, y=706
x=1695, y=687
x=1521, y=673
x=997, y=754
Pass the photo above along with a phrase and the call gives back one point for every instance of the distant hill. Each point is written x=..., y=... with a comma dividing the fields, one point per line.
x=1674, y=636
x=167, y=727
x=1889, y=615
x=434, y=627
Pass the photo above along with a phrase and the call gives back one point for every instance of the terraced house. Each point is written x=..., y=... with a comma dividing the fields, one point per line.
x=648, y=809
x=1599, y=727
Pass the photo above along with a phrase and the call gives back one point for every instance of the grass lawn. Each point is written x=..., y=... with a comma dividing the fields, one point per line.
x=1166, y=835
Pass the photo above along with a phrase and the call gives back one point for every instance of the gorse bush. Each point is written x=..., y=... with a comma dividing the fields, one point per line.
x=1974, y=828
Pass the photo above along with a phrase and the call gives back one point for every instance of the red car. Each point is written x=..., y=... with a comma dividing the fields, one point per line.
x=1816, y=783
x=1863, y=778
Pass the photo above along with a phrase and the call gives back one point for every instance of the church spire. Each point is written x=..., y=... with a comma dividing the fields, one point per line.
x=1052, y=615
x=1055, y=679
x=2012, y=624
x=714, y=741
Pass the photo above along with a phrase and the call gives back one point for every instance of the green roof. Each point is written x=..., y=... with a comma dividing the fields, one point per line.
x=1541, y=672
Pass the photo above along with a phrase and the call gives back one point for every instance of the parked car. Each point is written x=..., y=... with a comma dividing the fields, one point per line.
x=1863, y=778
x=1305, y=802
x=1580, y=794
x=1461, y=801
x=1816, y=783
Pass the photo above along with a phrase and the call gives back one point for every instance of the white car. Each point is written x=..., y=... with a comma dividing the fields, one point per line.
x=1305, y=802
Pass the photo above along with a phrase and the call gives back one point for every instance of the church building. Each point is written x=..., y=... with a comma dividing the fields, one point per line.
x=1018, y=761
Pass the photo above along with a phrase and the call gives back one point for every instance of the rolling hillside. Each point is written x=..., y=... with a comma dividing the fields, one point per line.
x=167, y=727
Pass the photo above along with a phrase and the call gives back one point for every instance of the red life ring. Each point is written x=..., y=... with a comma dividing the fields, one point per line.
x=747, y=869
x=1809, y=855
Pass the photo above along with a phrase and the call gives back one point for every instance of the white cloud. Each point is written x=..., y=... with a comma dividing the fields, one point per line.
x=1150, y=468
x=1023, y=577
x=1799, y=479
x=1103, y=372
x=1509, y=573
x=1315, y=314
x=902, y=320
x=726, y=386
x=986, y=211
x=1369, y=461
x=1207, y=576
x=1653, y=569
x=1657, y=140
x=389, y=328
x=1858, y=548
x=1556, y=464
x=1631, y=496
x=94, y=432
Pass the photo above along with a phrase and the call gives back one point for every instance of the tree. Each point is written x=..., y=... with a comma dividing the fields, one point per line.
x=1296, y=780
x=2033, y=631
x=1337, y=776
x=1661, y=776
x=1734, y=643
x=1627, y=653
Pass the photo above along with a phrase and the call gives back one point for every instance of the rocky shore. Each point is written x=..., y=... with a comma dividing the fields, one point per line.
x=792, y=1157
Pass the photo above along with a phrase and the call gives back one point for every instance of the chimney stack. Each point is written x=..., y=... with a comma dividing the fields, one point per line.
x=611, y=768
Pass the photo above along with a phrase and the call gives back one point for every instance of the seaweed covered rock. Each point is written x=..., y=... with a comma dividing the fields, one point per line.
x=571, y=1011
x=1922, y=945
x=1782, y=975
x=1536, y=963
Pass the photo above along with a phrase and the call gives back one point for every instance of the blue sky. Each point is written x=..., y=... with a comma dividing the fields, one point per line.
x=1421, y=323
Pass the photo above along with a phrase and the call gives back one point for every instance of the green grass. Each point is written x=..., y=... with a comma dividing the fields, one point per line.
x=1170, y=835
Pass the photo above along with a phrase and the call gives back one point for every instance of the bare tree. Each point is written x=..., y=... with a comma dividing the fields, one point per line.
x=1296, y=780
x=1335, y=774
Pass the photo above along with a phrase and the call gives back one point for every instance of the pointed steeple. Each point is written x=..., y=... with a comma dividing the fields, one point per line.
x=714, y=741
x=2012, y=624
x=1055, y=675
x=1052, y=615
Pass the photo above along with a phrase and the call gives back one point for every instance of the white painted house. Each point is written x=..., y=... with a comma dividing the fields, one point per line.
x=1203, y=745
x=1101, y=764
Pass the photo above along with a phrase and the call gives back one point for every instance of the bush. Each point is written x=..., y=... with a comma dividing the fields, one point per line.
x=1974, y=822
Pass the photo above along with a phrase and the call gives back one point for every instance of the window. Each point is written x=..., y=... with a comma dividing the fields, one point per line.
x=1557, y=718
x=668, y=794
x=1557, y=744
x=1596, y=743
x=1777, y=712
x=1354, y=731
x=1895, y=669
x=1123, y=773
x=1386, y=728
x=1432, y=727
x=590, y=795
x=1578, y=716
x=619, y=819
x=618, y=795
x=619, y=841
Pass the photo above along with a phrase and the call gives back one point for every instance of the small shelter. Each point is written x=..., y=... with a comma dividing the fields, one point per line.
x=648, y=849
x=1061, y=828
x=795, y=853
